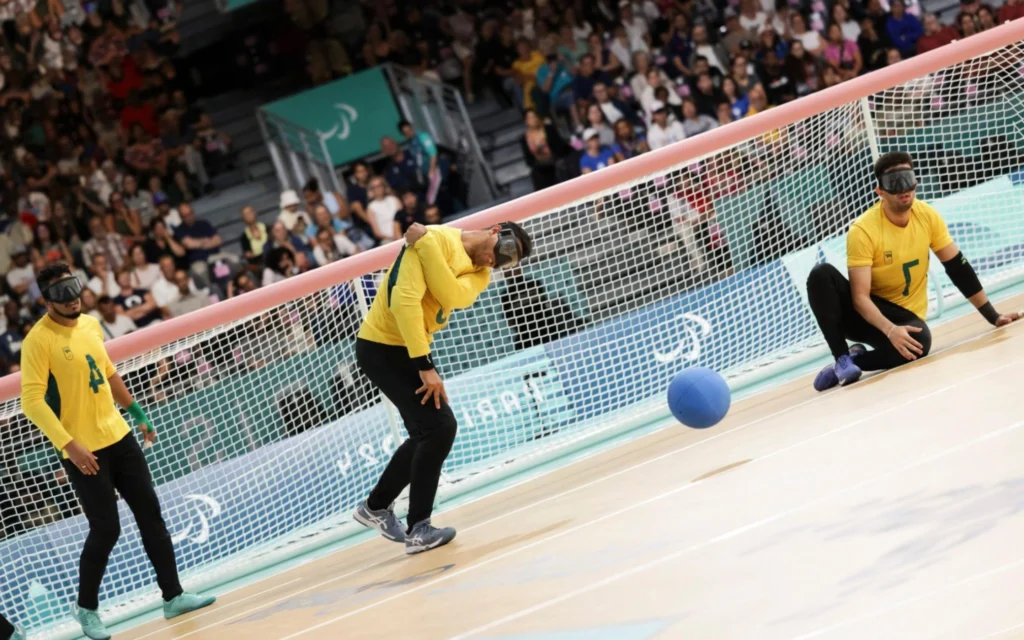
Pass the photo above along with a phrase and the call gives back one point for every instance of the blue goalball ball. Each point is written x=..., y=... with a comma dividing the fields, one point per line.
x=699, y=397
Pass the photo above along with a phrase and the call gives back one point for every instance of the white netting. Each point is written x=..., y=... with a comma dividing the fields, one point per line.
x=269, y=434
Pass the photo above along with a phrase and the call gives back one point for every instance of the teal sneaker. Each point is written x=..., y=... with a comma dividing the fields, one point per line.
x=92, y=626
x=185, y=603
x=19, y=633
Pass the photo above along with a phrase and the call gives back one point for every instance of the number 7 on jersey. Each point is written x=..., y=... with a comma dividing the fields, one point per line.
x=907, y=266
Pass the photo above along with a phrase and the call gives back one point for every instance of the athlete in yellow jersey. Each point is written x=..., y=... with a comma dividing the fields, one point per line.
x=439, y=269
x=68, y=390
x=884, y=304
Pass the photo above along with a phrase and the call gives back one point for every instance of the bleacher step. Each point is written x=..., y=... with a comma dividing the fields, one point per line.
x=497, y=121
x=234, y=196
x=510, y=173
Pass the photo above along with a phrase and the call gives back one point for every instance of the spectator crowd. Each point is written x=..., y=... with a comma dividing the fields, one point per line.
x=597, y=83
x=102, y=152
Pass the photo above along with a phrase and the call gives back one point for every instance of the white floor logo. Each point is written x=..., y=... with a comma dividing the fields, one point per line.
x=347, y=114
x=689, y=347
x=202, y=533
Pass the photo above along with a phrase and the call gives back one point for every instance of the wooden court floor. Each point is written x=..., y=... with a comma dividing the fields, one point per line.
x=893, y=508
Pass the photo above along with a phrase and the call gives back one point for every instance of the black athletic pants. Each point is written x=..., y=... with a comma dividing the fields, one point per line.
x=122, y=467
x=829, y=295
x=6, y=628
x=417, y=462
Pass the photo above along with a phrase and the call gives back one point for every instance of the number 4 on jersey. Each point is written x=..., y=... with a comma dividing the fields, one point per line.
x=96, y=378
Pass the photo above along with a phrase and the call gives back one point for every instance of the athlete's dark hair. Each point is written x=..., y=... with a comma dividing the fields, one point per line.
x=52, y=273
x=889, y=160
x=525, y=242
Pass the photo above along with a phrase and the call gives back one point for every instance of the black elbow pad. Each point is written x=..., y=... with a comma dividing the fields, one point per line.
x=962, y=274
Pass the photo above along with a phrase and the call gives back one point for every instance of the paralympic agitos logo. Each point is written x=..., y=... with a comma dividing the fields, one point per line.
x=693, y=329
x=202, y=508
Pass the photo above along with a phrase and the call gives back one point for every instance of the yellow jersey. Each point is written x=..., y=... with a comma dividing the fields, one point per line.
x=898, y=256
x=64, y=389
x=422, y=287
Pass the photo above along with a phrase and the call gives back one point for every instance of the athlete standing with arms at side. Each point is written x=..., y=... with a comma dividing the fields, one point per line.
x=68, y=390
x=438, y=270
x=885, y=302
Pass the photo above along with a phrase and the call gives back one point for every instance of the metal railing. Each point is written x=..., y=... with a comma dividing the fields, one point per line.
x=439, y=109
x=292, y=166
x=434, y=107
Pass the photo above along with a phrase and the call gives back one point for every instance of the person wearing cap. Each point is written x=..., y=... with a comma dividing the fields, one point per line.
x=595, y=156
x=289, y=209
x=662, y=132
x=439, y=269
x=71, y=390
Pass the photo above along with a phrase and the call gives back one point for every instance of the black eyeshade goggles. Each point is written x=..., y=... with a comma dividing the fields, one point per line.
x=506, y=251
x=63, y=291
x=898, y=181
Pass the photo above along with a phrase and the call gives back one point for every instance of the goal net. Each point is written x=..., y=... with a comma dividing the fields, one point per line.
x=268, y=434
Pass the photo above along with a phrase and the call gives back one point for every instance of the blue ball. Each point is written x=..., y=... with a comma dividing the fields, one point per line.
x=699, y=397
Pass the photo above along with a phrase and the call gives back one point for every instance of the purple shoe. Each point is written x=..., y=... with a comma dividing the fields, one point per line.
x=841, y=372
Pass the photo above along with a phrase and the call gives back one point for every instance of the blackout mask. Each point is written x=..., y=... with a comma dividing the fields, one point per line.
x=898, y=181
x=63, y=291
x=506, y=251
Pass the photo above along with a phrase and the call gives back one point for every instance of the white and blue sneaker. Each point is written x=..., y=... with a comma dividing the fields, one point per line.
x=424, y=537
x=19, y=633
x=842, y=372
x=382, y=520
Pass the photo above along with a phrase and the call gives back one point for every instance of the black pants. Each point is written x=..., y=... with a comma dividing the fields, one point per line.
x=417, y=462
x=6, y=628
x=828, y=293
x=122, y=467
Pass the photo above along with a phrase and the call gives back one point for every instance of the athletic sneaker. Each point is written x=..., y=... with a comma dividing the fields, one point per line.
x=19, y=633
x=842, y=372
x=424, y=537
x=91, y=624
x=186, y=603
x=382, y=520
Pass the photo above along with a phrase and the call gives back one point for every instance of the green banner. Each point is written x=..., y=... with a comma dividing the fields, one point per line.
x=350, y=115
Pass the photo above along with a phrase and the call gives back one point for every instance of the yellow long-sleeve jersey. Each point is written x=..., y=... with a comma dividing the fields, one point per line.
x=64, y=389
x=425, y=283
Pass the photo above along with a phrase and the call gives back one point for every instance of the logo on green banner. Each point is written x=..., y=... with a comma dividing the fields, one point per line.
x=348, y=116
